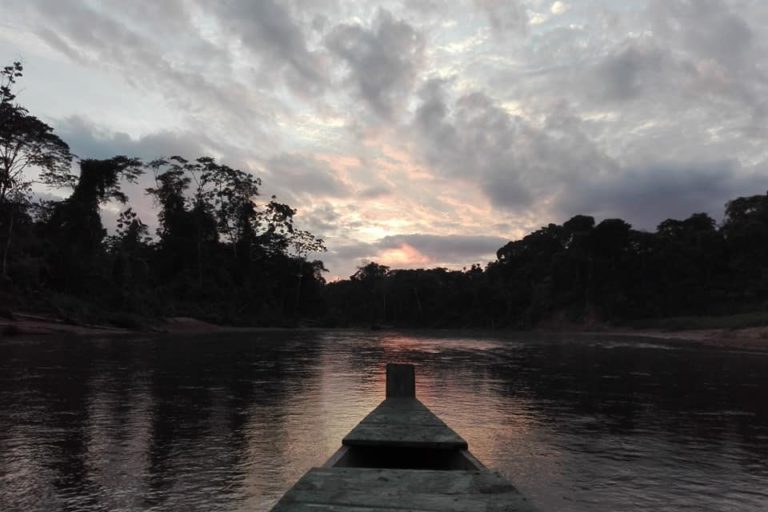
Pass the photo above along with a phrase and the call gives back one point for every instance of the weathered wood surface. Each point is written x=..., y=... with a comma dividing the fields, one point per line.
x=405, y=423
x=398, y=490
x=402, y=433
x=401, y=381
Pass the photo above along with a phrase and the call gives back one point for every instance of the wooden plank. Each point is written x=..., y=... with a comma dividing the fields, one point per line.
x=392, y=408
x=340, y=454
x=422, y=502
x=428, y=481
x=358, y=490
x=404, y=403
x=405, y=436
x=404, y=423
x=323, y=507
x=415, y=417
x=401, y=381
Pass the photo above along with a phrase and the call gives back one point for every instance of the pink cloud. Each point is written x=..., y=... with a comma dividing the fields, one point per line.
x=403, y=256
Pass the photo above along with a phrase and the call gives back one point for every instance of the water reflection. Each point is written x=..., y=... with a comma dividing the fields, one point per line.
x=229, y=422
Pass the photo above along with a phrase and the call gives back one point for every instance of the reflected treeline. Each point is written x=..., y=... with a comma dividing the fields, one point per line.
x=231, y=421
x=132, y=424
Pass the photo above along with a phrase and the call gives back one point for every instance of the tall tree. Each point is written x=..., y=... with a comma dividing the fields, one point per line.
x=75, y=224
x=130, y=249
x=371, y=278
x=745, y=228
x=26, y=143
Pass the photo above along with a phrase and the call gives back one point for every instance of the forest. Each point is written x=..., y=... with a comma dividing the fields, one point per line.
x=216, y=254
x=220, y=256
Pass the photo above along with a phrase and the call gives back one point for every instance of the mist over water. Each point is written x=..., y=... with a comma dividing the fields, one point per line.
x=229, y=422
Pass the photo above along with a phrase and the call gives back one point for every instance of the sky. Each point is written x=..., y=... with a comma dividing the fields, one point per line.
x=416, y=133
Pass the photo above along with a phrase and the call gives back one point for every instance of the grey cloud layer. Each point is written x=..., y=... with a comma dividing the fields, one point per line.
x=448, y=248
x=648, y=196
x=505, y=16
x=515, y=162
x=454, y=250
x=268, y=29
x=638, y=109
x=300, y=175
x=645, y=125
x=90, y=141
x=383, y=59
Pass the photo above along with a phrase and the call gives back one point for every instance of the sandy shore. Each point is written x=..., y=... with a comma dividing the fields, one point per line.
x=27, y=324
x=749, y=338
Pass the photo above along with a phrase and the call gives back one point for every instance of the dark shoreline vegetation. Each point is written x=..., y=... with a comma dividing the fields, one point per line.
x=219, y=257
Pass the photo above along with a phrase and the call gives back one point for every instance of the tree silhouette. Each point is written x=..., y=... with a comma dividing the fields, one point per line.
x=75, y=224
x=220, y=253
x=130, y=249
x=26, y=144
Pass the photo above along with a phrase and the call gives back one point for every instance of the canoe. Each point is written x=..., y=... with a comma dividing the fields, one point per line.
x=402, y=457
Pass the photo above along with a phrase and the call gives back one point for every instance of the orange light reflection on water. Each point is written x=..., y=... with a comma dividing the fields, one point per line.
x=477, y=405
x=347, y=384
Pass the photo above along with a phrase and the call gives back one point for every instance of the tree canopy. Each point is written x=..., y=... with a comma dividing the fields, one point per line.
x=218, y=252
x=580, y=271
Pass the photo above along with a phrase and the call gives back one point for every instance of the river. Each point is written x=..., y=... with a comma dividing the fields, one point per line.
x=229, y=422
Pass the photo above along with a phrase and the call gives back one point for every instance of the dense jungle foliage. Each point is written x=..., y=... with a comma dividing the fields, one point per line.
x=580, y=272
x=216, y=254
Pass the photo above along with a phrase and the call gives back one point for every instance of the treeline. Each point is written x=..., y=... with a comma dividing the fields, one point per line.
x=216, y=255
x=579, y=272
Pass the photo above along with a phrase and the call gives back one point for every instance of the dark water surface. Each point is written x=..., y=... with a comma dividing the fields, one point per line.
x=229, y=422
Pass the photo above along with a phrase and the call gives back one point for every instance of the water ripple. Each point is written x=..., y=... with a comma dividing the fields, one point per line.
x=230, y=422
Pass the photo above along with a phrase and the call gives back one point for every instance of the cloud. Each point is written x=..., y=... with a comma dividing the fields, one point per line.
x=451, y=249
x=300, y=175
x=87, y=140
x=647, y=196
x=383, y=60
x=632, y=71
x=717, y=42
x=708, y=29
x=268, y=29
x=343, y=258
x=559, y=7
x=515, y=162
x=427, y=7
x=164, y=54
x=505, y=16
x=415, y=250
x=299, y=179
x=320, y=218
x=403, y=256
x=557, y=167
x=684, y=55
x=434, y=117
x=376, y=191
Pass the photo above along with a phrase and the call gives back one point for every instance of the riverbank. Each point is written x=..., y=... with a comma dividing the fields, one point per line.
x=28, y=324
x=747, y=338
